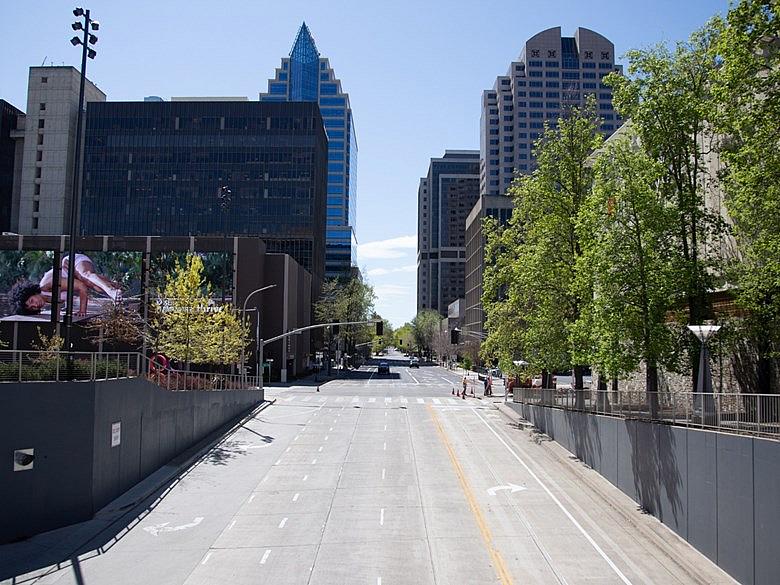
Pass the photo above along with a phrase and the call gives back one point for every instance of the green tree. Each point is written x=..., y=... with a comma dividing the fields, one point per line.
x=746, y=96
x=226, y=337
x=424, y=326
x=667, y=97
x=387, y=339
x=344, y=301
x=188, y=328
x=536, y=253
x=627, y=230
x=404, y=337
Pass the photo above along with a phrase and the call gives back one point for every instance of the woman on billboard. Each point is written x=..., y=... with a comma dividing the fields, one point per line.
x=28, y=298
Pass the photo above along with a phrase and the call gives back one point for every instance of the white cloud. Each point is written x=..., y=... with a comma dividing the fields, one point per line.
x=390, y=248
x=391, y=290
x=384, y=271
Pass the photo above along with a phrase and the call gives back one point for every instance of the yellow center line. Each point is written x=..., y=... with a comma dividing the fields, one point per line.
x=487, y=537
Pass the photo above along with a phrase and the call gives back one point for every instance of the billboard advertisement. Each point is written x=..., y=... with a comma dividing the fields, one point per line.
x=34, y=282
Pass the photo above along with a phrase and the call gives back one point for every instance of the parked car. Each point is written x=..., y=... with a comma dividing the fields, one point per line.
x=537, y=382
x=414, y=362
x=383, y=368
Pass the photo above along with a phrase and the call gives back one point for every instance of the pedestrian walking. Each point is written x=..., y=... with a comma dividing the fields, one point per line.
x=465, y=384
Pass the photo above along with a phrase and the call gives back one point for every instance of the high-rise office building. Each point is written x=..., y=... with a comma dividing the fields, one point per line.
x=209, y=168
x=499, y=208
x=444, y=199
x=551, y=74
x=49, y=148
x=305, y=76
x=8, y=156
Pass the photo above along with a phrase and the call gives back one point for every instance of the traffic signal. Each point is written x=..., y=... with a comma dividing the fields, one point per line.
x=380, y=328
x=334, y=329
x=454, y=336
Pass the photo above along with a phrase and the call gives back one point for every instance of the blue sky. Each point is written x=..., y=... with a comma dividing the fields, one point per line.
x=414, y=71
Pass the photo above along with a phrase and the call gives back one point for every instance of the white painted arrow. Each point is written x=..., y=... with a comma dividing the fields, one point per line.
x=156, y=529
x=510, y=486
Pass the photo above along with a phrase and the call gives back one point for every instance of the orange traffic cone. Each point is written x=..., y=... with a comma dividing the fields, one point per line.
x=453, y=392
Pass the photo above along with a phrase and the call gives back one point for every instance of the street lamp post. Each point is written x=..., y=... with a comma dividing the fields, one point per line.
x=86, y=52
x=704, y=396
x=258, y=341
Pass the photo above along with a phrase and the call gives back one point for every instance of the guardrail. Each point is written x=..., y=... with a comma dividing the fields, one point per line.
x=754, y=414
x=54, y=366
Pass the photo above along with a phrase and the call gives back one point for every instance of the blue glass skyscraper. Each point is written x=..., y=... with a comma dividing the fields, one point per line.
x=305, y=76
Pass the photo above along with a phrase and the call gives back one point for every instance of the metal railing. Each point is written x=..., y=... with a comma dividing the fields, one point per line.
x=53, y=366
x=755, y=414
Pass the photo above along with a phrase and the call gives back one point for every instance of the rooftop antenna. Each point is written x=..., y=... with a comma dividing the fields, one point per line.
x=44, y=61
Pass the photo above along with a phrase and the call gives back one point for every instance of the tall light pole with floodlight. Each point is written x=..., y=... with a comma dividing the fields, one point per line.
x=87, y=51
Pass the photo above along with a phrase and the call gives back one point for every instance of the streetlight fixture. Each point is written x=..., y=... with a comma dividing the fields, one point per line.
x=86, y=51
x=703, y=395
x=258, y=341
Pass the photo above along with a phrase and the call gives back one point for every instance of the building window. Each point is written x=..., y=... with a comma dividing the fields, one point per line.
x=36, y=206
x=42, y=106
x=39, y=156
x=41, y=123
x=40, y=139
x=37, y=190
x=35, y=219
x=44, y=80
x=37, y=172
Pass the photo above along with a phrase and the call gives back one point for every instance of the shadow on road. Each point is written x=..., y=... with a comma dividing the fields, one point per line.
x=68, y=548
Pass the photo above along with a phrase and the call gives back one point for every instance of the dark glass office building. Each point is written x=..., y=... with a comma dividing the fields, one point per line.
x=308, y=77
x=209, y=168
x=8, y=118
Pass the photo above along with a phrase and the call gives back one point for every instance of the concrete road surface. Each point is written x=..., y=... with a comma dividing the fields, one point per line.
x=375, y=480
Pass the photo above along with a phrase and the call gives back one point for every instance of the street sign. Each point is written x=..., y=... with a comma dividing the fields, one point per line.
x=116, y=434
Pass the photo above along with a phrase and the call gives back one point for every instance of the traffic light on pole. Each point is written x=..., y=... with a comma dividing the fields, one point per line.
x=380, y=328
x=334, y=329
x=454, y=336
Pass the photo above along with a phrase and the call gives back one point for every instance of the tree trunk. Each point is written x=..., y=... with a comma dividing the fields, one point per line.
x=602, y=396
x=579, y=393
x=651, y=382
x=615, y=393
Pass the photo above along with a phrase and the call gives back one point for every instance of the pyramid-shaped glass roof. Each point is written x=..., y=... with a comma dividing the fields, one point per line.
x=304, y=67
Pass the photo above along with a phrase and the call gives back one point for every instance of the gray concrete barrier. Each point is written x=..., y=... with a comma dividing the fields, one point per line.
x=92, y=441
x=720, y=492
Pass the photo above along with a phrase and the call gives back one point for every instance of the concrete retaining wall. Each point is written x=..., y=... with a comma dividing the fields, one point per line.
x=718, y=491
x=76, y=470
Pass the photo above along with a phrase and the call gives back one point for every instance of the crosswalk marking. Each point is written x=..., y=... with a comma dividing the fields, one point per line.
x=385, y=400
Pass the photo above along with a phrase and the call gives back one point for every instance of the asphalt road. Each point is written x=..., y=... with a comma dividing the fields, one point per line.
x=380, y=480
